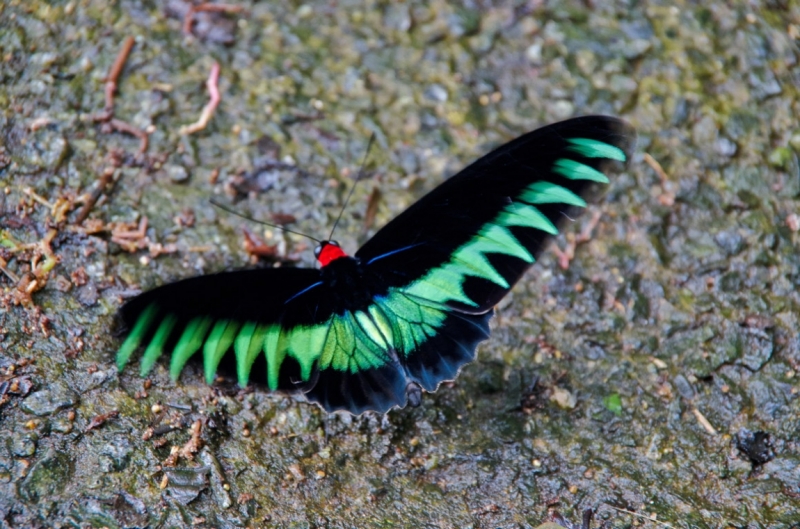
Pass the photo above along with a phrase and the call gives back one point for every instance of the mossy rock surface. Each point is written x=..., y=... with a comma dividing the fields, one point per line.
x=682, y=310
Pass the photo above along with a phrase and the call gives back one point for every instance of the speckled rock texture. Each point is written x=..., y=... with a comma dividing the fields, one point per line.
x=655, y=379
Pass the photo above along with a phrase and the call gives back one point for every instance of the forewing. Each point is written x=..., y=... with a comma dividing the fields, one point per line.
x=245, y=312
x=468, y=241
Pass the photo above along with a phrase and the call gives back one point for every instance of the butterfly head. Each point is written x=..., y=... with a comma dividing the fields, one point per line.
x=328, y=251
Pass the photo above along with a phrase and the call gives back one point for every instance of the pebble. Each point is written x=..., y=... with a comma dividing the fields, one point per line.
x=49, y=401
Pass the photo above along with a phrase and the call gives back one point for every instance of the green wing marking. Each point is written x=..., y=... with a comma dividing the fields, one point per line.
x=495, y=238
x=305, y=344
x=189, y=343
x=469, y=260
x=445, y=284
x=526, y=216
x=596, y=149
x=440, y=285
x=156, y=346
x=549, y=193
x=578, y=171
x=247, y=346
x=218, y=342
x=134, y=338
x=274, y=358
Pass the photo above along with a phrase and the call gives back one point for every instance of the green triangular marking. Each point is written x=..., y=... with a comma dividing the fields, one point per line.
x=497, y=239
x=189, y=343
x=133, y=340
x=596, y=149
x=217, y=343
x=339, y=343
x=156, y=346
x=368, y=353
x=433, y=286
x=383, y=324
x=578, y=171
x=476, y=264
x=549, y=193
x=444, y=277
x=371, y=331
x=306, y=345
x=527, y=217
x=408, y=314
x=273, y=355
x=246, y=347
x=384, y=311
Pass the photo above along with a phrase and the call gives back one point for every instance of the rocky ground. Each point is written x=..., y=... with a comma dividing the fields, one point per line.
x=655, y=379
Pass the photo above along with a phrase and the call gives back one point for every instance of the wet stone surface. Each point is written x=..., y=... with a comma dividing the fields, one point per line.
x=666, y=357
x=186, y=484
x=47, y=479
x=23, y=445
x=48, y=401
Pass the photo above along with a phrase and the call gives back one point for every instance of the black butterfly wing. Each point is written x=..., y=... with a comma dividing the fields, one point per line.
x=286, y=329
x=244, y=311
x=464, y=245
x=492, y=219
x=365, y=334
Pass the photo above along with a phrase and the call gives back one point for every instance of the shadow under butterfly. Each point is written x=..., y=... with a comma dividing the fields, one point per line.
x=406, y=312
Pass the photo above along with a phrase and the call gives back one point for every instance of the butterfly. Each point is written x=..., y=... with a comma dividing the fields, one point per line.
x=407, y=310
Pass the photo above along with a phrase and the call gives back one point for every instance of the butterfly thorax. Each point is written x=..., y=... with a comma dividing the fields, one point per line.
x=327, y=252
x=351, y=287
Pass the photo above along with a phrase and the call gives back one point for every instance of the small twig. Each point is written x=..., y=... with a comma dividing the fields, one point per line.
x=116, y=68
x=566, y=255
x=188, y=450
x=372, y=209
x=107, y=115
x=642, y=516
x=653, y=163
x=193, y=445
x=38, y=198
x=102, y=183
x=199, y=249
x=188, y=18
x=667, y=198
x=39, y=123
x=101, y=419
x=586, y=233
x=258, y=248
x=11, y=275
x=208, y=110
x=113, y=77
x=121, y=126
x=130, y=239
x=704, y=422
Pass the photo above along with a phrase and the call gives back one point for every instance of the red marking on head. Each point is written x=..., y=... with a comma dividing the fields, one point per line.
x=330, y=252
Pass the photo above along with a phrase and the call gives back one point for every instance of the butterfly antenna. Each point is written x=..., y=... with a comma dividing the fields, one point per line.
x=251, y=219
x=353, y=187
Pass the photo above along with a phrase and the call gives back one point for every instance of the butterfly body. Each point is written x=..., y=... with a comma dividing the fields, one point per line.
x=407, y=310
x=349, y=285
